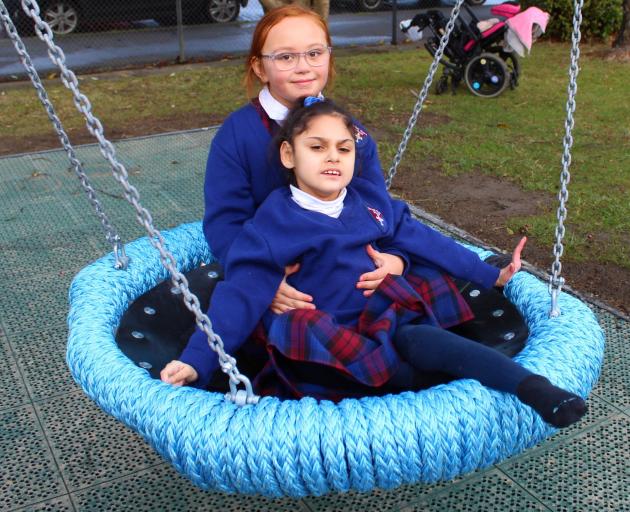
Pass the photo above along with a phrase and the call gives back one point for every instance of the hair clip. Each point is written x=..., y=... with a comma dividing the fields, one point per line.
x=310, y=100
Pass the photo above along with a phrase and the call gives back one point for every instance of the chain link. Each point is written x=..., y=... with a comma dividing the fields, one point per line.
x=423, y=94
x=226, y=362
x=556, y=281
x=111, y=234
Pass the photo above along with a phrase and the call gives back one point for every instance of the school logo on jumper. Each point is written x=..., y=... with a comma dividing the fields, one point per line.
x=359, y=134
x=378, y=216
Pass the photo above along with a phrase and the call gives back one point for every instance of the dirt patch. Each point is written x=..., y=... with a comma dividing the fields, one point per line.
x=482, y=205
x=475, y=202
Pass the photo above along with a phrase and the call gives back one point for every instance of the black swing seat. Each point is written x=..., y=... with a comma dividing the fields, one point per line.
x=157, y=325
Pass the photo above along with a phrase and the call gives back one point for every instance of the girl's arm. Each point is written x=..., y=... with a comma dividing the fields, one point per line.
x=391, y=259
x=228, y=197
x=425, y=245
x=237, y=304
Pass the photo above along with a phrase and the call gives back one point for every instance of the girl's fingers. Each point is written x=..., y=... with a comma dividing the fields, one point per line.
x=374, y=255
x=286, y=292
x=369, y=285
x=291, y=269
x=516, y=257
x=375, y=275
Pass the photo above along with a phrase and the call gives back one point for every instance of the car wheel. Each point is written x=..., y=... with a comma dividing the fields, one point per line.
x=62, y=16
x=222, y=11
x=370, y=5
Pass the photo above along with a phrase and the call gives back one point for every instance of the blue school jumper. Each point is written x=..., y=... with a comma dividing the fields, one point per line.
x=332, y=256
x=244, y=168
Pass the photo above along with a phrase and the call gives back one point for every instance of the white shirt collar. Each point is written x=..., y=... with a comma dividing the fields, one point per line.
x=275, y=110
x=308, y=202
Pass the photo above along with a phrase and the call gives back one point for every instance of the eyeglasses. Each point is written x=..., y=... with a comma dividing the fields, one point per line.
x=285, y=61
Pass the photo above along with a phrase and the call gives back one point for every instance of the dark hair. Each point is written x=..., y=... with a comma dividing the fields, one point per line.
x=298, y=119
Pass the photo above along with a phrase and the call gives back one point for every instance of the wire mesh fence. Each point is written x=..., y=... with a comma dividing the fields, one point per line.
x=97, y=34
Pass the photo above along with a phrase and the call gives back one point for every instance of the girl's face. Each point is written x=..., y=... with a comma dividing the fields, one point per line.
x=322, y=157
x=293, y=35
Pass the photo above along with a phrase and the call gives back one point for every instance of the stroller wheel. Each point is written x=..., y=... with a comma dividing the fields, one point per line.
x=487, y=75
x=511, y=61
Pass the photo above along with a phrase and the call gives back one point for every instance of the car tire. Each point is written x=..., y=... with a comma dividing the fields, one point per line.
x=222, y=11
x=62, y=16
x=370, y=5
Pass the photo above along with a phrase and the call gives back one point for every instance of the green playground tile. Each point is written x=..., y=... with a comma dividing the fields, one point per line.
x=202, y=137
x=61, y=504
x=598, y=411
x=30, y=306
x=161, y=488
x=12, y=389
x=28, y=473
x=378, y=500
x=41, y=358
x=586, y=472
x=47, y=253
x=184, y=191
x=21, y=220
x=37, y=185
x=614, y=382
x=488, y=491
x=90, y=446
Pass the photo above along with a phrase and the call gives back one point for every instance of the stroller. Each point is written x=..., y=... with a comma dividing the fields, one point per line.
x=476, y=51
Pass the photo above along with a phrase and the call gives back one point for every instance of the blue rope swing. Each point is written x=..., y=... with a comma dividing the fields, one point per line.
x=305, y=447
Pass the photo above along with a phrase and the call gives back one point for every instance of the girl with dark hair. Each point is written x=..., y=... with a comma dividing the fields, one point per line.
x=353, y=344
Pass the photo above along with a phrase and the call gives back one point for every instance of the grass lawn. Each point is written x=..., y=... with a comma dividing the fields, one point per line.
x=517, y=137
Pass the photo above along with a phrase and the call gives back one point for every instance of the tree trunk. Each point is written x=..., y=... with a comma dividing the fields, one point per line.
x=623, y=38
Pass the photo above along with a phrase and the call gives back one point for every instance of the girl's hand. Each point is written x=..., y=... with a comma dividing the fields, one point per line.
x=385, y=264
x=508, y=272
x=287, y=297
x=178, y=373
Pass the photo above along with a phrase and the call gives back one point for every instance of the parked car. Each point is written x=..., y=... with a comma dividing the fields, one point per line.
x=66, y=16
x=376, y=5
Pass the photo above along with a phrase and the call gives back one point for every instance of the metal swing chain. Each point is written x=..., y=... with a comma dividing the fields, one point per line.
x=556, y=281
x=423, y=94
x=226, y=362
x=110, y=232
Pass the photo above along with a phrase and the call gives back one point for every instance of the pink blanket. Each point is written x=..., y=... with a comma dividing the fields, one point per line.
x=524, y=27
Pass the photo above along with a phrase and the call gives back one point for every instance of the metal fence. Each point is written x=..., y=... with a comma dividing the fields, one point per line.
x=97, y=34
x=117, y=34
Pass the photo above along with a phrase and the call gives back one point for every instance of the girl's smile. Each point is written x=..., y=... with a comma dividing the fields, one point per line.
x=294, y=35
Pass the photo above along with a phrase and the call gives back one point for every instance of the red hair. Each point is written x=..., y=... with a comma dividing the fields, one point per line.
x=266, y=23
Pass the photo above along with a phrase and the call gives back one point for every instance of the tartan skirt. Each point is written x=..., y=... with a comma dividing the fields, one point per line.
x=310, y=354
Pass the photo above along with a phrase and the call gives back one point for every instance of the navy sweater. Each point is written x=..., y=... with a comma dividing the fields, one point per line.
x=332, y=255
x=244, y=168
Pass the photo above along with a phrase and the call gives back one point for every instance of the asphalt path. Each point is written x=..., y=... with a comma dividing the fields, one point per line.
x=147, y=43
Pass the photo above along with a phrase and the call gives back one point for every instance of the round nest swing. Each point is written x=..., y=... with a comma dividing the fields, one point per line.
x=304, y=447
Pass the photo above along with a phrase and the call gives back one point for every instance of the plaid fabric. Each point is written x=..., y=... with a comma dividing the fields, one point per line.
x=311, y=354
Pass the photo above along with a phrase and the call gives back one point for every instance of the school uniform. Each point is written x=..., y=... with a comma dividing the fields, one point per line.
x=244, y=167
x=348, y=332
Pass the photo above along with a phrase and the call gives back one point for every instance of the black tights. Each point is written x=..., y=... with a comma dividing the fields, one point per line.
x=426, y=350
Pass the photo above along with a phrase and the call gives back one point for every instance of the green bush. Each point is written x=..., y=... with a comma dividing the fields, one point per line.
x=600, y=18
